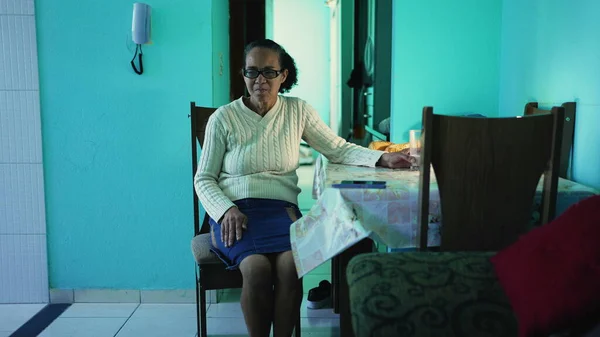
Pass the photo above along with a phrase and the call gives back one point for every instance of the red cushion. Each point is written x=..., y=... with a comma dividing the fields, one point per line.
x=551, y=275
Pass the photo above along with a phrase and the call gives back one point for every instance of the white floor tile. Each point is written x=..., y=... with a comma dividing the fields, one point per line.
x=106, y=310
x=226, y=326
x=225, y=310
x=84, y=327
x=231, y=326
x=164, y=326
x=12, y=316
x=157, y=320
x=320, y=327
x=165, y=310
x=224, y=318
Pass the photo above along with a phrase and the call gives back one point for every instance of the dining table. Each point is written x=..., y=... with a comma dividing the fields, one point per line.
x=345, y=222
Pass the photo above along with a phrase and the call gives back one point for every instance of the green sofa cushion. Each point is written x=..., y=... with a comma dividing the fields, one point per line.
x=428, y=294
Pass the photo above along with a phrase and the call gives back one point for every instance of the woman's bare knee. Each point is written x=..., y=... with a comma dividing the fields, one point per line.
x=257, y=271
x=286, y=269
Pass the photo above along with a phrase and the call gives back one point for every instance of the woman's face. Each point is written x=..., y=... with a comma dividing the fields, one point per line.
x=263, y=62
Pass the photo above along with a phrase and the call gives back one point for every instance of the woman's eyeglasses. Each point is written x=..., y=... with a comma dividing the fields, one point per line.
x=267, y=73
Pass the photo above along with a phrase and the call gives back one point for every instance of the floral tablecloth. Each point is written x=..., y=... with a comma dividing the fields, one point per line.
x=342, y=217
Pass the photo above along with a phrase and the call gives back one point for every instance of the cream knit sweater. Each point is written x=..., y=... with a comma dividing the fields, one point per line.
x=249, y=156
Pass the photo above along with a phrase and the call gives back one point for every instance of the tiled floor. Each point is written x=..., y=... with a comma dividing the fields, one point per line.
x=178, y=320
x=14, y=315
x=155, y=320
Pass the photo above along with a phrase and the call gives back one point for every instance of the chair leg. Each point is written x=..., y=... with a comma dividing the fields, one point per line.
x=197, y=307
x=203, y=332
x=297, y=329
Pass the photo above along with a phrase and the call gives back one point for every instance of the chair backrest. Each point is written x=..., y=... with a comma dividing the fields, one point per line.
x=487, y=171
x=376, y=135
x=568, y=135
x=199, y=117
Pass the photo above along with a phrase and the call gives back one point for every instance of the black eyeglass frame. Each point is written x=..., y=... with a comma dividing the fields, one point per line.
x=261, y=72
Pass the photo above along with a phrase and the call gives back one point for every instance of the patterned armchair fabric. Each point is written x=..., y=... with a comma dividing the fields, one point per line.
x=420, y=294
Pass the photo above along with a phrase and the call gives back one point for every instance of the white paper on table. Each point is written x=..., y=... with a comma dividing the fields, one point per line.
x=315, y=241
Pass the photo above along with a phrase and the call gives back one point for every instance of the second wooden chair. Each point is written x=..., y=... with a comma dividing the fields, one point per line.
x=487, y=171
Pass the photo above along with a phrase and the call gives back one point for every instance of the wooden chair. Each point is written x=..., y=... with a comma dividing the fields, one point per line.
x=487, y=171
x=211, y=273
x=568, y=135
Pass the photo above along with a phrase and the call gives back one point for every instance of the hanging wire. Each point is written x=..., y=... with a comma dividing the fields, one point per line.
x=138, y=53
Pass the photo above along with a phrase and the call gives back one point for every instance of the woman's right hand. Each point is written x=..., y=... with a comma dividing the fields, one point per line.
x=232, y=226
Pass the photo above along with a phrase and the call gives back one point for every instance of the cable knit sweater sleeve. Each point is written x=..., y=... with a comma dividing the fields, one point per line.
x=320, y=137
x=210, y=194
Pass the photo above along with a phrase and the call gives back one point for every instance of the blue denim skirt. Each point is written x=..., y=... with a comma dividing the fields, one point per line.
x=268, y=230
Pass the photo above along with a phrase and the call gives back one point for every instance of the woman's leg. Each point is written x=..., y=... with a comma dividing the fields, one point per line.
x=257, y=294
x=288, y=295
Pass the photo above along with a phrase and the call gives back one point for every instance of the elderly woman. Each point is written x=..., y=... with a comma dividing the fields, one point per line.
x=247, y=182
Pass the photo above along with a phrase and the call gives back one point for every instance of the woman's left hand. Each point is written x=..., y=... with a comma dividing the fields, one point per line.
x=396, y=160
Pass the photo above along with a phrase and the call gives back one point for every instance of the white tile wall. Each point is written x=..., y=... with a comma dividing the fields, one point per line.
x=23, y=269
x=18, y=68
x=22, y=199
x=20, y=135
x=16, y=7
x=23, y=256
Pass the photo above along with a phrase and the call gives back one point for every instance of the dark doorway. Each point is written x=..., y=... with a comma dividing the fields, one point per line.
x=246, y=24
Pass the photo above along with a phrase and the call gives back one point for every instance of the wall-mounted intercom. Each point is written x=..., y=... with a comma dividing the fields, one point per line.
x=141, y=28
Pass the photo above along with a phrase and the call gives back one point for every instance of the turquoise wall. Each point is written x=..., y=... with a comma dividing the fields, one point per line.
x=445, y=54
x=550, y=54
x=116, y=145
x=309, y=46
x=220, y=52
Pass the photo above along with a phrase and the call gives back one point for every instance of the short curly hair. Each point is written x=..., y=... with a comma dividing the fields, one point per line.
x=285, y=59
